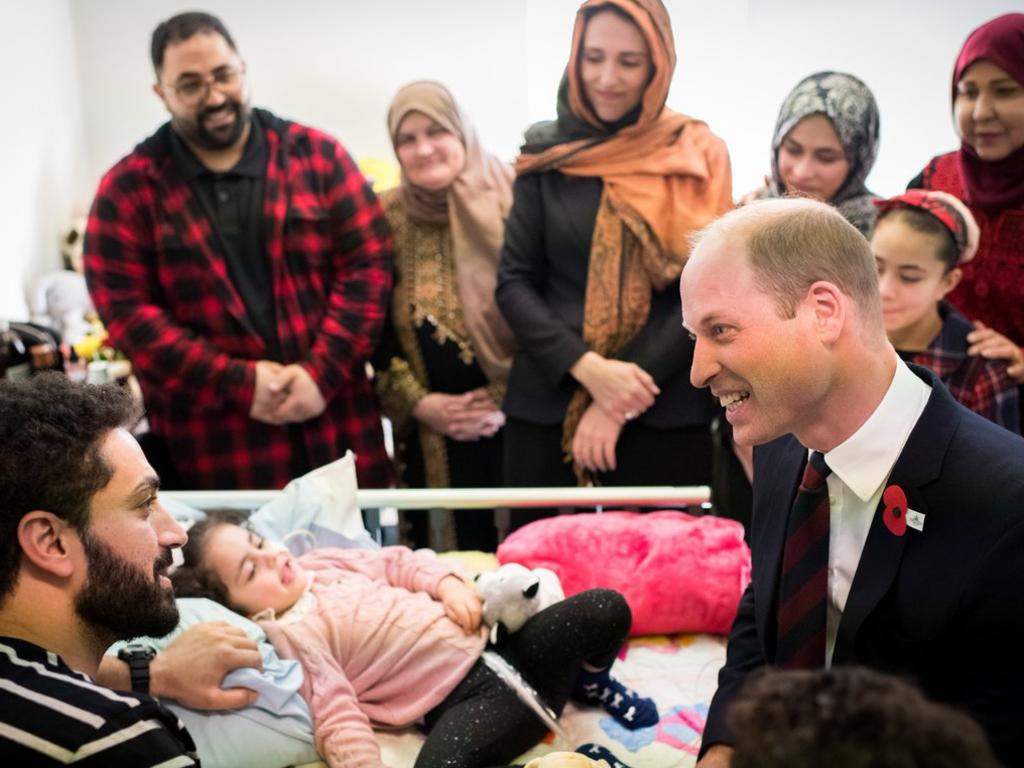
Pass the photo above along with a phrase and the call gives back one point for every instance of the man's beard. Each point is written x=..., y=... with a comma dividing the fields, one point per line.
x=120, y=599
x=194, y=132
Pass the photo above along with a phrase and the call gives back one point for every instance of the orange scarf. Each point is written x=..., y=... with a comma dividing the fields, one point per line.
x=664, y=177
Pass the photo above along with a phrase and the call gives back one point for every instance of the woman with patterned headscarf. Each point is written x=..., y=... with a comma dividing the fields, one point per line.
x=605, y=198
x=447, y=351
x=825, y=144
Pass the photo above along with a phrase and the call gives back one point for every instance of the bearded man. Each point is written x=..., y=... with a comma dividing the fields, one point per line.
x=243, y=264
x=84, y=552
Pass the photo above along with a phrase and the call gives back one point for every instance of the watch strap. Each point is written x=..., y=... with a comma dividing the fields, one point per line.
x=137, y=658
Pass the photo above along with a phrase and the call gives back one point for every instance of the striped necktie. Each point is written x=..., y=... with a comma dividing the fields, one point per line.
x=803, y=590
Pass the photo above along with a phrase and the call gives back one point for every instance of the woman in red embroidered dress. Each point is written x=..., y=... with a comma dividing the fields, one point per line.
x=987, y=172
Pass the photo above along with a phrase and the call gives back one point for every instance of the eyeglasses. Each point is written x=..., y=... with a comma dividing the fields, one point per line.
x=194, y=90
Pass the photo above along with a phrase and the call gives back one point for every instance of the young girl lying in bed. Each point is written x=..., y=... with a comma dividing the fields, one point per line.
x=390, y=637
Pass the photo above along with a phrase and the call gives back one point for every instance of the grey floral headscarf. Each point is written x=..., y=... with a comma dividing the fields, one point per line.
x=851, y=107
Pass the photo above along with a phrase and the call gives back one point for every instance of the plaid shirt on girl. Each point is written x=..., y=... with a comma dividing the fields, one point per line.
x=976, y=382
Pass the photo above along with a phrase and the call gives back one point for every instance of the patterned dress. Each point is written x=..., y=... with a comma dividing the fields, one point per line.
x=426, y=348
x=992, y=287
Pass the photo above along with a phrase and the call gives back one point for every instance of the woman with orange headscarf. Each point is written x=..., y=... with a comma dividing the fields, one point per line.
x=605, y=199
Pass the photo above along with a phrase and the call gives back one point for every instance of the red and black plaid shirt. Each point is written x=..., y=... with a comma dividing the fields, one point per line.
x=159, y=280
x=978, y=383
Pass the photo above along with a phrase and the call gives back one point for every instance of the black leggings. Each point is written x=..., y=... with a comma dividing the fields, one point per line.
x=482, y=722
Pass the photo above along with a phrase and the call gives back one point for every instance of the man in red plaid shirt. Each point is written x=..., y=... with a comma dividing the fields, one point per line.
x=243, y=264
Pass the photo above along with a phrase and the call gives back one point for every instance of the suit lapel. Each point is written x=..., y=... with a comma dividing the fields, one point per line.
x=584, y=194
x=919, y=464
x=778, y=468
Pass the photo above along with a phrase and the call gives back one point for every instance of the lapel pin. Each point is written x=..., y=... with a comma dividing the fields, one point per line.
x=915, y=519
x=895, y=513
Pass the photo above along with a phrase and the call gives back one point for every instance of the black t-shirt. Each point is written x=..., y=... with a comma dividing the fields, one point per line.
x=233, y=200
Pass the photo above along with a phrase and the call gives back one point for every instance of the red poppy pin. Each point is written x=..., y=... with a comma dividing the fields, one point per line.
x=895, y=513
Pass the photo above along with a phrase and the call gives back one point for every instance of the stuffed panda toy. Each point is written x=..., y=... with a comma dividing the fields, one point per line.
x=513, y=593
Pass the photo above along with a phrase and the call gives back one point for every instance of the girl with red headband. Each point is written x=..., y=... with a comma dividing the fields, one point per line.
x=922, y=241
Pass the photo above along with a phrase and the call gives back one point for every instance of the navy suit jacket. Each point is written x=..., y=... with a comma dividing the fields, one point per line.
x=944, y=606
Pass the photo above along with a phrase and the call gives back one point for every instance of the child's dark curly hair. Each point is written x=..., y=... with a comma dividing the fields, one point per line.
x=194, y=578
x=849, y=717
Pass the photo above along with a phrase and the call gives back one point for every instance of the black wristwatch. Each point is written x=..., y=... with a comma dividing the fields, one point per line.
x=137, y=657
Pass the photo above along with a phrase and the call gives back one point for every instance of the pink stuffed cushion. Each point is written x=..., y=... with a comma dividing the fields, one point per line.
x=679, y=573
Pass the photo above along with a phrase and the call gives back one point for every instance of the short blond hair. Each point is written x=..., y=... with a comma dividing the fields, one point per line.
x=792, y=244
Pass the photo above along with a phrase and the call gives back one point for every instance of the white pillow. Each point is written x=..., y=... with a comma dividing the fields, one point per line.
x=275, y=731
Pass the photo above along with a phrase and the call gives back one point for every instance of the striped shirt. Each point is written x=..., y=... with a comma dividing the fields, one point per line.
x=51, y=715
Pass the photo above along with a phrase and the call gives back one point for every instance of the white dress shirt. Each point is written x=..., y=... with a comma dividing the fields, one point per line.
x=860, y=467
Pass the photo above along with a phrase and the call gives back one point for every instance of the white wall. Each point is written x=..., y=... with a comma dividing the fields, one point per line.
x=41, y=151
x=336, y=63
x=737, y=60
x=903, y=49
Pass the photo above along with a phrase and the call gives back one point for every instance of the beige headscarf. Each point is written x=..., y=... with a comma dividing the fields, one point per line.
x=475, y=206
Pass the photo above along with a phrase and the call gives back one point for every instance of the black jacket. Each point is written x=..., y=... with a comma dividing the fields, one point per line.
x=542, y=283
x=943, y=606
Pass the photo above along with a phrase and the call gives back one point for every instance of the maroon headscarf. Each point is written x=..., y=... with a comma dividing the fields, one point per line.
x=999, y=184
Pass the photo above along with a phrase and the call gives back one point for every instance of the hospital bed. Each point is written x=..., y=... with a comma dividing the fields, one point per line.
x=678, y=671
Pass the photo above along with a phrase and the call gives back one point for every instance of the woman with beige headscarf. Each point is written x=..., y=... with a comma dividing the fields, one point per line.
x=445, y=359
x=605, y=198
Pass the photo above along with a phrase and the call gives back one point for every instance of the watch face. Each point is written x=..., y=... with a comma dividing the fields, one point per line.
x=135, y=651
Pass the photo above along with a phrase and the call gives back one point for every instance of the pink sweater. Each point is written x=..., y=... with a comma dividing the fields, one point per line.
x=376, y=647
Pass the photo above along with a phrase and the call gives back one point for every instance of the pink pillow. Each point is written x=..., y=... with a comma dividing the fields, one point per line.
x=679, y=573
